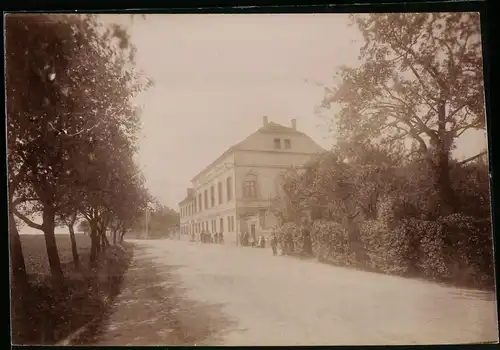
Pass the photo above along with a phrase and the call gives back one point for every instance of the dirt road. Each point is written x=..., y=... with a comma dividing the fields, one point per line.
x=182, y=293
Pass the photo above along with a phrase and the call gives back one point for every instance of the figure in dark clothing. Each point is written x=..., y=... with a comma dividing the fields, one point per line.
x=221, y=238
x=274, y=244
x=262, y=242
x=245, y=239
x=289, y=243
x=307, y=243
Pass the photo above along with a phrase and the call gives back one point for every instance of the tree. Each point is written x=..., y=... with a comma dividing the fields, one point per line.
x=62, y=101
x=68, y=217
x=421, y=82
x=34, y=104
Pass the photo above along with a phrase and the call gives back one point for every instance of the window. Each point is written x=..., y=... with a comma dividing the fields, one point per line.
x=288, y=144
x=229, y=224
x=205, y=199
x=199, y=202
x=219, y=192
x=250, y=186
x=221, y=221
x=212, y=196
x=232, y=224
x=277, y=143
x=229, y=189
x=194, y=205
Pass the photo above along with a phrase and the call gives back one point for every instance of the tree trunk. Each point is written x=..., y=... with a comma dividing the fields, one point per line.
x=94, y=244
x=74, y=249
x=122, y=234
x=106, y=240
x=50, y=243
x=114, y=237
x=103, y=244
x=17, y=265
x=445, y=199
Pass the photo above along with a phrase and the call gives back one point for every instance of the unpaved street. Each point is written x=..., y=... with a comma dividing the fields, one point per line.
x=214, y=294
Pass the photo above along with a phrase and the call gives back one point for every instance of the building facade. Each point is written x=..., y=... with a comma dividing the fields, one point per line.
x=235, y=192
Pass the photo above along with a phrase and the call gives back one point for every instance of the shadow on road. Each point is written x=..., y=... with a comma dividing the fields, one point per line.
x=473, y=294
x=153, y=309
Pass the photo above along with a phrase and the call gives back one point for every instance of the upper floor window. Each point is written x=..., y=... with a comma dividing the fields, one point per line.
x=219, y=192
x=212, y=196
x=250, y=186
x=199, y=202
x=277, y=143
x=288, y=144
x=205, y=199
x=229, y=189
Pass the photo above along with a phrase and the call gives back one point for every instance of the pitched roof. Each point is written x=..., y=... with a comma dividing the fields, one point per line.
x=270, y=127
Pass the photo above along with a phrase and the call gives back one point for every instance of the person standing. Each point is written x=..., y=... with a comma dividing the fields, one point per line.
x=274, y=244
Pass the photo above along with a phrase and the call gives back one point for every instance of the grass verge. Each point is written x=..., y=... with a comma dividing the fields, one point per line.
x=46, y=314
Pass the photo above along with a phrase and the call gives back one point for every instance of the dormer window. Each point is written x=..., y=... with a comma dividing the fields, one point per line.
x=288, y=144
x=277, y=143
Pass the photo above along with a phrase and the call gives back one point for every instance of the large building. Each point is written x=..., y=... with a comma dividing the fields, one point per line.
x=234, y=193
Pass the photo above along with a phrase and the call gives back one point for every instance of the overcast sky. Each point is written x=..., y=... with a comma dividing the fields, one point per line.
x=217, y=75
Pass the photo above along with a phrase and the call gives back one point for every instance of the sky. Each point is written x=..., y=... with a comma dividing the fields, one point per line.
x=216, y=76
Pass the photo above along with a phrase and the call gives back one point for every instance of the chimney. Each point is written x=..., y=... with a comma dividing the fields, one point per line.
x=294, y=124
x=265, y=120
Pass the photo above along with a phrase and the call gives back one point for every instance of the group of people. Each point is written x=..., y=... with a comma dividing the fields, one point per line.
x=207, y=237
x=260, y=242
x=251, y=241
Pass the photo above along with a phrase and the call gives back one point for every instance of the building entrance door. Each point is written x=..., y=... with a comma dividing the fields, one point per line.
x=252, y=232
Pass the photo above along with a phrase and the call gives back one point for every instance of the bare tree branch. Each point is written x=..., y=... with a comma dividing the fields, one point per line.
x=26, y=219
x=472, y=158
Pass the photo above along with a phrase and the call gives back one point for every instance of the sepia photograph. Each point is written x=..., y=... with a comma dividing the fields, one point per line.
x=248, y=179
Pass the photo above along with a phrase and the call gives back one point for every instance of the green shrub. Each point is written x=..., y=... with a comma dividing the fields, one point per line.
x=387, y=249
x=330, y=243
x=468, y=249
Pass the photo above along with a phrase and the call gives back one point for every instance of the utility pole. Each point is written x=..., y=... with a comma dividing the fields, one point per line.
x=146, y=213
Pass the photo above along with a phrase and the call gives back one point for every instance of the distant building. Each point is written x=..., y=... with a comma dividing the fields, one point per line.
x=234, y=193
